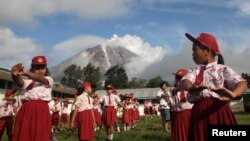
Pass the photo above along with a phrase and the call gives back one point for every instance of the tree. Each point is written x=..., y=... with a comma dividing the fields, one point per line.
x=136, y=83
x=72, y=75
x=93, y=75
x=117, y=77
x=155, y=82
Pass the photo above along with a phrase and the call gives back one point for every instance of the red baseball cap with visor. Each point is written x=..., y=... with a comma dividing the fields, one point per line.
x=86, y=84
x=207, y=40
x=39, y=60
x=181, y=72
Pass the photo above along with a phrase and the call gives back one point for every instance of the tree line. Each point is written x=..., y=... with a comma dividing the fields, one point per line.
x=116, y=75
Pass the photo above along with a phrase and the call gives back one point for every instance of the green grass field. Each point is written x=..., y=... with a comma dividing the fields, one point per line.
x=146, y=130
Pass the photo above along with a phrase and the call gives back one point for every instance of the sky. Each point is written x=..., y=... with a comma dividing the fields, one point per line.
x=153, y=29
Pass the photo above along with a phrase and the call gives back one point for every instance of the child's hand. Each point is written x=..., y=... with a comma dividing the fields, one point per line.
x=17, y=69
x=195, y=90
x=224, y=93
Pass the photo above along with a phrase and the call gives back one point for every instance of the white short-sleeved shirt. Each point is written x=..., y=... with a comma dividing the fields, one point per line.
x=114, y=100
x=64, y=109
x=215, y=76
x=163, y=102
x=179, y=101
x=39, y=91
x=84, y=102
x=56, y=107
x=6, y=108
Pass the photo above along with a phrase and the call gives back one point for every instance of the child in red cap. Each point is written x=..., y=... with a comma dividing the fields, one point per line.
x=6, y=114
x=85, y=114
x=55, y=117
x=109, y=115
x=180, y=110
x=214, y=83
x=33, y=122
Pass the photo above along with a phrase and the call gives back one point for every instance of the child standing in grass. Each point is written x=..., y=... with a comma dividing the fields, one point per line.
x=180, y=111
x=109, y=115
x=214, y=83
x=33, y=122
x=85, y=115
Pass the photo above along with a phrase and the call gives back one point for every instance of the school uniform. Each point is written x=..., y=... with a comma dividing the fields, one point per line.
x=126, y=114
x=180, y=116
x=109, y=115
x=33, y=122
x=85, y=117
x=6, y=118
x=64, y=116
x=164, y=107
x=208, y=109
x=97, y=114
x=136, y=115
x=55, y=117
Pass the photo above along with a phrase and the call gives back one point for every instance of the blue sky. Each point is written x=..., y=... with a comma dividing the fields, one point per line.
x=62, y=28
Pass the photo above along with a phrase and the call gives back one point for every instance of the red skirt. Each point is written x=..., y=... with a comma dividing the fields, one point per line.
x=137, y=114
x=131, y=111
x=180, y=125
x=85, y=125
x=55, y=119
x=33, y=122
x=126, y=117
x=97, y=117
x=109, y=116
x=209, y=111
x=64, y=118
x=6, y=123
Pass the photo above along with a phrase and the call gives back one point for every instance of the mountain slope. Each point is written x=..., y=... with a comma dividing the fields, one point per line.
x=103, y=56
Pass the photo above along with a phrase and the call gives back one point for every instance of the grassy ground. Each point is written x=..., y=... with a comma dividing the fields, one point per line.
x=146, y=130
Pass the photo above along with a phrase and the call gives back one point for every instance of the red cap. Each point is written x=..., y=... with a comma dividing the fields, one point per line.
x=109, y=86
x=207, y=40
x=8, y=93
x=181, y=72
x=86, y=84
x=39, y=60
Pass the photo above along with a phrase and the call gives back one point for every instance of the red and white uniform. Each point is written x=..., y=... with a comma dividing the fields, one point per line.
x=34, y=112
x=97, y=109
x=136, y=110
x=64, y=115
x=6, y=118
x=55, y=109
x=180, y=116
x=214, y=76
x=126, y=114
x=109, y=115
x=85, y=117
x=209, y=109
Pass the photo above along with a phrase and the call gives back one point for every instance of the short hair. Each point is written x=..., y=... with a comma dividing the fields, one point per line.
x=162, y=83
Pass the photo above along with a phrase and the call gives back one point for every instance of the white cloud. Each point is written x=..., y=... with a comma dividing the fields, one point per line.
x=26, y=11
x=16, y=49
x=147, y=54
x=243, y=6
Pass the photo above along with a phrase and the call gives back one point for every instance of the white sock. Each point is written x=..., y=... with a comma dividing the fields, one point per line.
x=118, y=129
x=111, y=136
x=124, y=128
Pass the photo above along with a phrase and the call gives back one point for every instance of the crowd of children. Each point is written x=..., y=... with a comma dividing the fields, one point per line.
x=199, y=98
